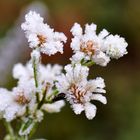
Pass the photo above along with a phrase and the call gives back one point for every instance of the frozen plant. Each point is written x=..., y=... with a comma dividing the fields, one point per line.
x=45, y=88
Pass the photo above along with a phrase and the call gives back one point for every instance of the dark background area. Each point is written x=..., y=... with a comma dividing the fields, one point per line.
x=120, y=118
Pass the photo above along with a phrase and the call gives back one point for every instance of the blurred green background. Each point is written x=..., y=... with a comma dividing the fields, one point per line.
x=120, y=118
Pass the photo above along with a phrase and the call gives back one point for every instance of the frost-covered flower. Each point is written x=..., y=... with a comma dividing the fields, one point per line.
x=41, y=36
x=14, y=103
x=115, y=46
x=5, y=97
x=47, y=73
x=88, y=46
x=24, y=74
x=79, y=91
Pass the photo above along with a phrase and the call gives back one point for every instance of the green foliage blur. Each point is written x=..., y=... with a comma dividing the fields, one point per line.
x=120, y=118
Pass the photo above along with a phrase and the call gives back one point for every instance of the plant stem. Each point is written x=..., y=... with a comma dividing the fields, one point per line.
x=26, y=137
x=9, y=130
x=89, y=64
x=35, y=72
x=43, y=98
x=33, y=130
x=35, y=77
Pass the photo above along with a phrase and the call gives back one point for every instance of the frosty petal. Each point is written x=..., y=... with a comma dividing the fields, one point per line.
x=54, y=107
x=100, y=98
x=90, y=110
x=101, y=59
x=76, y=30
x=77, y=108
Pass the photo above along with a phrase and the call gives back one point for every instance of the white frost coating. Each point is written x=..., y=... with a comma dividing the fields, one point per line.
x=53, y=107
x=76, y=30
x=41, y=36
x=79, y=91
x=77, y=108
x=90, y=110
x=98, y=48
x=115, y=46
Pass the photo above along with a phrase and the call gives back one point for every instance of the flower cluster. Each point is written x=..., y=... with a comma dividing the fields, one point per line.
x=43, y=88
x=15, y=103
x=97, y=48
